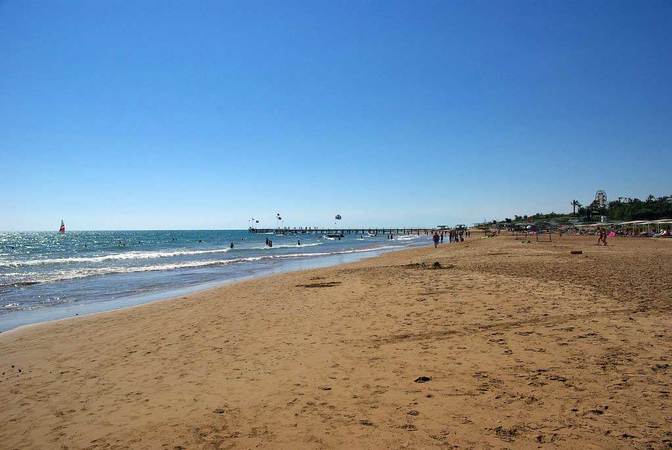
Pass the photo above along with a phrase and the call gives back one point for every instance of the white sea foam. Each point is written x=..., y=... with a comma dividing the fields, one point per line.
x=61, y=275
x=407, y=237
x=289, y=246
x=29, y=278
x=111, y=257
x=139, y=255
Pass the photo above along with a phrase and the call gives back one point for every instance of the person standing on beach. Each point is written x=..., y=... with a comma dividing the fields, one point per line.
x=435, y=238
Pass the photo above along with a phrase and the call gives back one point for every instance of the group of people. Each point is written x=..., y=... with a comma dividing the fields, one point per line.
x=454, y=236
x=602, y=236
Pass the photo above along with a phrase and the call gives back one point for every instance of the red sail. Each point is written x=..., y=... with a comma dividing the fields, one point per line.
x=62, y=229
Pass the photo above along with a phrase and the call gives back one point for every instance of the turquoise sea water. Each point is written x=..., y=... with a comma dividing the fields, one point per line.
x=45, y=276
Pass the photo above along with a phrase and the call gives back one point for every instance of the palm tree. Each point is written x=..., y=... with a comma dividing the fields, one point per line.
x=575, y=204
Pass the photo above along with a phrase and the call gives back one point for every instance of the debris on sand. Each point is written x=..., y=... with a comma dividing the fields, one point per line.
x=423, y=379
x=320, y=285
x=660, y=367
x=506, y=434
x=576, y=252
x=436, y=265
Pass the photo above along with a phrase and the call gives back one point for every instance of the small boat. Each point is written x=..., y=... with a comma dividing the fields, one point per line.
x=62, y=229
x=335, y=235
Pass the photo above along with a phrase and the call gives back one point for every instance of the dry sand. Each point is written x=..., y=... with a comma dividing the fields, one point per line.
x=523, y=345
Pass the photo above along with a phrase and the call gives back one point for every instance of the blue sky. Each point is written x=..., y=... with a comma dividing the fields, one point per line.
x=142, y=115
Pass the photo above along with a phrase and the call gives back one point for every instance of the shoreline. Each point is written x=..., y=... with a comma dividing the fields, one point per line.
x=503, y=344
x=171, y=296
x=66, y=311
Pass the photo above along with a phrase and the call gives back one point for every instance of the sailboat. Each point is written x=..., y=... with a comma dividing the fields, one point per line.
x=62, y=229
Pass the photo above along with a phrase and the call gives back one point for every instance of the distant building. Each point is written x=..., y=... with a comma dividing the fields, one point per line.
x=600, y=199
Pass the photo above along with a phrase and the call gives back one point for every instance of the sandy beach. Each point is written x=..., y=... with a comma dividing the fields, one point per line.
x=502, y=344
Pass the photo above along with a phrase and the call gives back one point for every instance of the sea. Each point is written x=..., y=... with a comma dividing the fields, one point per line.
x=48, y=276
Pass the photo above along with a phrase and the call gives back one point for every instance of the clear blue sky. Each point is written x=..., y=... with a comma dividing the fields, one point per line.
x=162, y=114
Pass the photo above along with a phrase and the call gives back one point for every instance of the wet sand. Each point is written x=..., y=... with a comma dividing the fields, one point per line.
x=507, y=344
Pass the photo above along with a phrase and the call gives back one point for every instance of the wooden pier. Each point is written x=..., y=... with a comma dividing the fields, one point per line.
x=343, y=231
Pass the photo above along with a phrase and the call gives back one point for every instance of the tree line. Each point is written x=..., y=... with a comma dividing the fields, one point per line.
x=651, y=208
x=623, y=209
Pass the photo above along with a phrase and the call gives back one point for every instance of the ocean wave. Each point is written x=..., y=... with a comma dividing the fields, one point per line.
x=407, y=237
x=140, y=255
x=64, y=275
x=111, y=257
x=313, y=244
